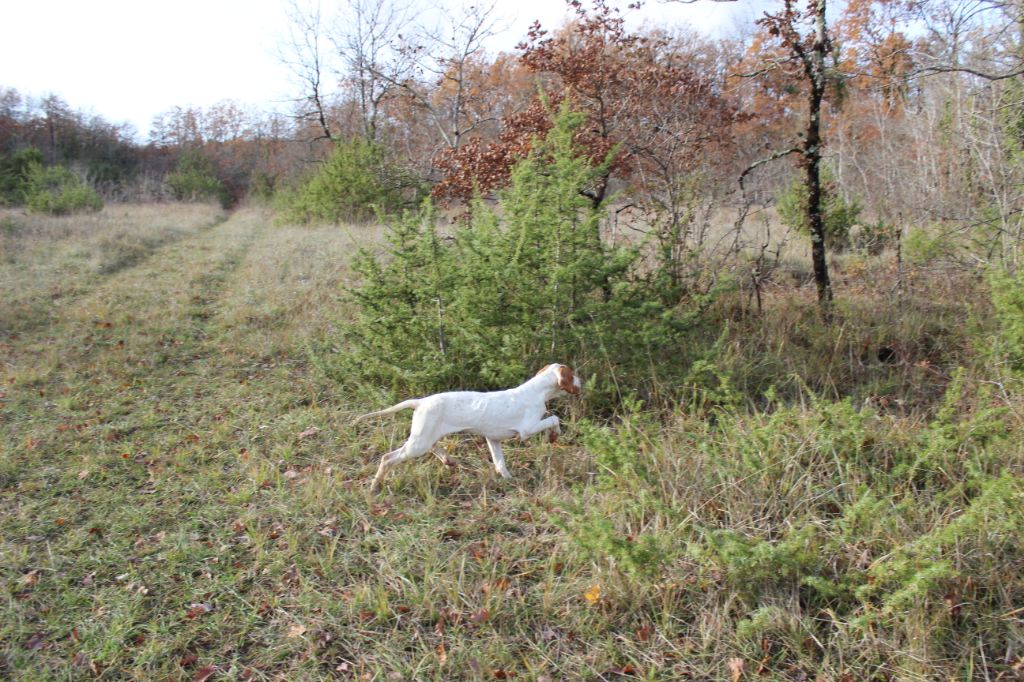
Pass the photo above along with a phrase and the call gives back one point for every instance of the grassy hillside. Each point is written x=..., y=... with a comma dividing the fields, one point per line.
x=182, y=495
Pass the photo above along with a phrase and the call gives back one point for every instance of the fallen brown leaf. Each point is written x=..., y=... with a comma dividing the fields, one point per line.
x=204, y=673
x=36, y=641
x=196, y=610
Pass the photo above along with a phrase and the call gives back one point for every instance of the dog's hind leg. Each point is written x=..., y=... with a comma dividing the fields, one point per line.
x=411, y=449
x=499, y=458
x=382, y=468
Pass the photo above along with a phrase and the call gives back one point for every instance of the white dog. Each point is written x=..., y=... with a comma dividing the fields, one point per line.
x=497, y=416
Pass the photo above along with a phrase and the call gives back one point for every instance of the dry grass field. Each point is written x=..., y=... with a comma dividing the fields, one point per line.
x=183, y=496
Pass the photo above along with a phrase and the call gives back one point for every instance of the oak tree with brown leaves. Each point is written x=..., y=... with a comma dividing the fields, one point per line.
x=643, y=101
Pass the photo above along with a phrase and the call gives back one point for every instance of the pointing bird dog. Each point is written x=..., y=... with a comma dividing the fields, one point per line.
x=497, y=415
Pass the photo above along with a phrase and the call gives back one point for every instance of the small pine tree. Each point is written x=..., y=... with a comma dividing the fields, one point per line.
x=355, y=184
x=57, y=190
x=401, y=337
x=515, y=288
x=1008, y=301
x=16, y=172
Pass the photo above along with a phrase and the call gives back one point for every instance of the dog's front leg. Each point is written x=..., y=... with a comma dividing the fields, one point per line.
x=543, y=425
x=443, y=456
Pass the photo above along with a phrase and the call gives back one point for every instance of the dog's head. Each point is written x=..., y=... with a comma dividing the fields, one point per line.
x=566, y=379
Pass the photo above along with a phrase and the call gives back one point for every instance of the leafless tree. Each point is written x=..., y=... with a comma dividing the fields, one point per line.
x=354, y=56
x=444, y=57
x=304, y=53
x=370, y=38
x=981, y=38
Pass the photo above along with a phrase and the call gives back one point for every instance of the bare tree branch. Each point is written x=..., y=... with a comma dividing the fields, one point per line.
x=447, y=56
x=775, y=155
x=986, y=75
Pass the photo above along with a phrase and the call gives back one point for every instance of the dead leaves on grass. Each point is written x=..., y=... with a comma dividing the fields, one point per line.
x=30, y=579
x=643, y=633
x=197, y=610
x=36, y=641
x=311, y=431
x=204, y=673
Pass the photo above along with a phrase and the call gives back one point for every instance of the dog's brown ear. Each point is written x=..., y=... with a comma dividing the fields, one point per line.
x=542, y=370
x=567, y=380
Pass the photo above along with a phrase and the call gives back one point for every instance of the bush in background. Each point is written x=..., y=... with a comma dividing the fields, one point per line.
x=195, y=179
x=355, y=184
x=840, y=214
x=16, y=173
x=57, y=190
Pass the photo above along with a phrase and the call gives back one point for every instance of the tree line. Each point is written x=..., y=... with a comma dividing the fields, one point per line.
x=911, y=112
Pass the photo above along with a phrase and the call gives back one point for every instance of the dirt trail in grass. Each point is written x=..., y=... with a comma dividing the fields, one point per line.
x=122, y=363
x=48, y=263
x=179, y=489
x=134, y=325
x=129, y=417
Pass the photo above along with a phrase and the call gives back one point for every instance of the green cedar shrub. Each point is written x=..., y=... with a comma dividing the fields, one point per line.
x=58, y=191
x=839, y=216
x=195, y=179
x=621, y=457
x=356, y=184
x=1008, y=301
x=518, y=286
x=16, y=170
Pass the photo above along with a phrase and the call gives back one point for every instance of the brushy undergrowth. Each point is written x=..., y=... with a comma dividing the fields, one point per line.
x=58, y=191
x=182, y=496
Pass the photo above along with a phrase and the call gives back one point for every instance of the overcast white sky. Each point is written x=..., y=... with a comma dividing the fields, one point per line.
x=129, y=60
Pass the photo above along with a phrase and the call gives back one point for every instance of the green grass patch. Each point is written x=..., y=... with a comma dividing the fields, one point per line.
x=183, y=494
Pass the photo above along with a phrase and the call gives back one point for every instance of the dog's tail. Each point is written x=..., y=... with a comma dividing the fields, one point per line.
x=412, y=403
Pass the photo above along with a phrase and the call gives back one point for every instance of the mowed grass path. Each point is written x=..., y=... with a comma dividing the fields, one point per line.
x=182, y=497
